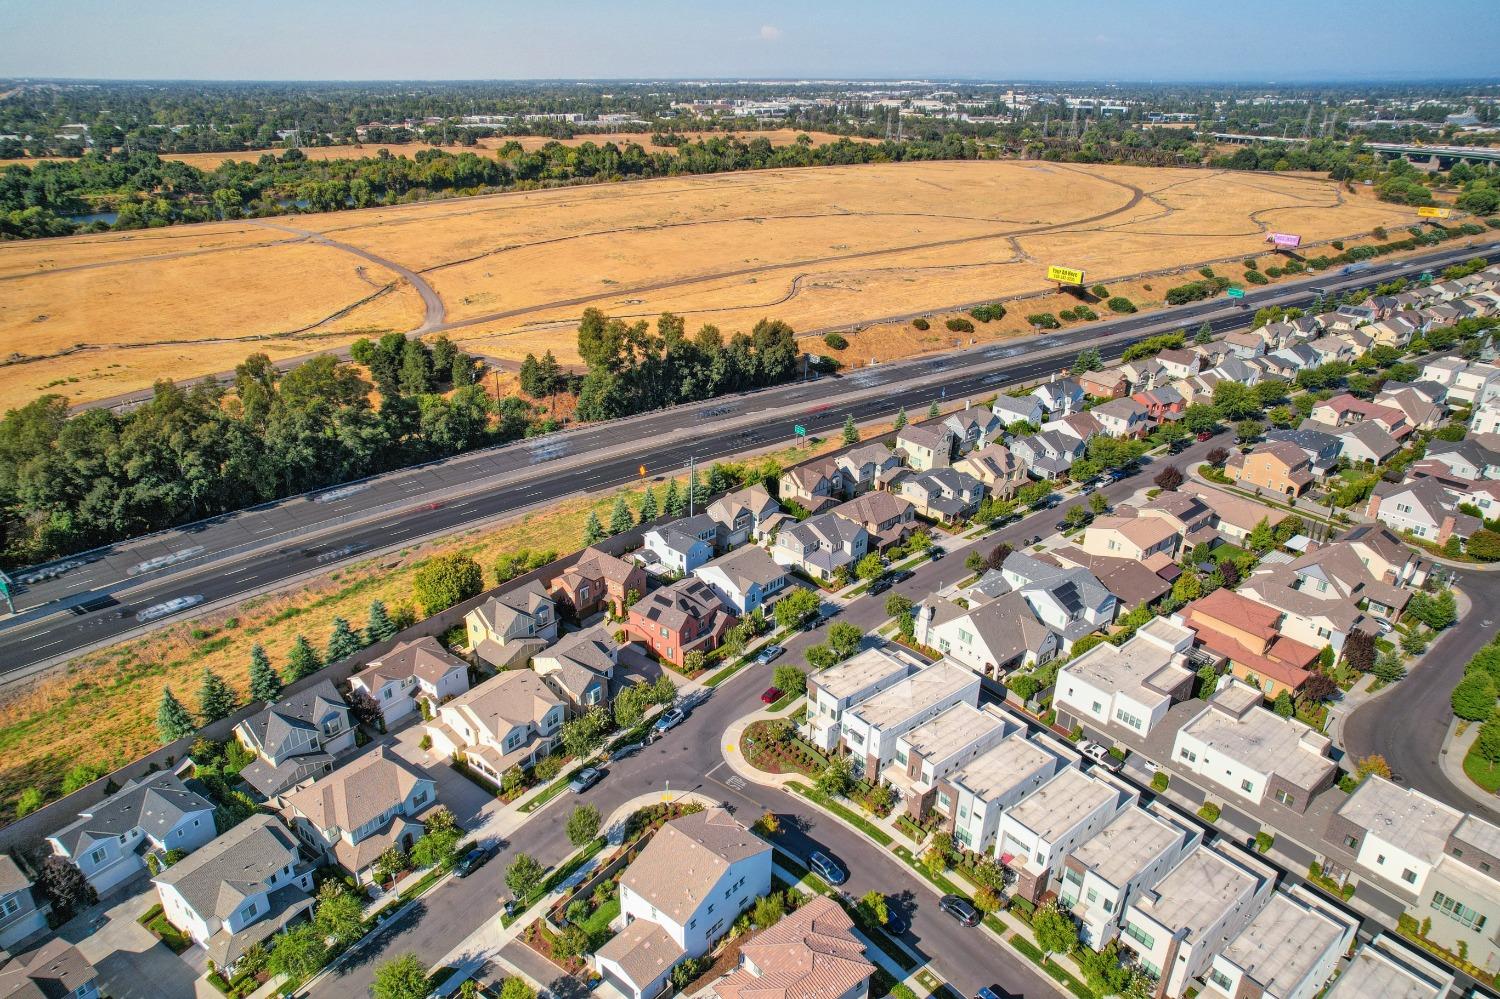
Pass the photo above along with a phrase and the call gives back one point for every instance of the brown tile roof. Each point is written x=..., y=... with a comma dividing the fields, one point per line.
x=810, y=954
x=594, y=562
x=686, y=858
x=1232, y=609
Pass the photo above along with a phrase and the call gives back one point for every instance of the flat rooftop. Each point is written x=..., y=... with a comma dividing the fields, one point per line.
x=1384, y=970
x=915, y=694
x=1402, y=816
x=1264, y=741
x=1196, y=892
x=1127, y=846
x=1480, y=833
x=1001, y=767
x=1061, y=803
x=867, y=669
x=1283, y=943
x=952, y=731
x=1127, y=669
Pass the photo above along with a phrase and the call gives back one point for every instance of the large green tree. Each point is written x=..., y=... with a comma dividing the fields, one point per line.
x=445, y=580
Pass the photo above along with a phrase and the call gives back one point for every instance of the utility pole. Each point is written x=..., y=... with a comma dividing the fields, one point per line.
x=692, y=483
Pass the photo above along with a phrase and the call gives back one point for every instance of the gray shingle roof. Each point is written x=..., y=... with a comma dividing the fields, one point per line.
x=298, y=713
x=217, y=878
x=154, y=805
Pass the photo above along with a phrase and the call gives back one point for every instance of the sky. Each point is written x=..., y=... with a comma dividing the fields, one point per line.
x=1126, y=40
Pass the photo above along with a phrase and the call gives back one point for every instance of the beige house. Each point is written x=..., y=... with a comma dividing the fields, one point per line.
x=510, y=720
x=511, y=627
x=1001, y=472
x=1136, y=538
x=1275, y=466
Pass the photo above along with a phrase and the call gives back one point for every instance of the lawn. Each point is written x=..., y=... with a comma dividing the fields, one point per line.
x=156, y=921
x=598, y=922
x=1481, y=771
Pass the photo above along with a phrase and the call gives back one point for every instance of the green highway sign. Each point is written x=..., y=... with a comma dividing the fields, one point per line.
x=799, y=430
x=1236, y=293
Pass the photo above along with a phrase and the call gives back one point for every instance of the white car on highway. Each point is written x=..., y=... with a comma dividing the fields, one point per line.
x=169, y=607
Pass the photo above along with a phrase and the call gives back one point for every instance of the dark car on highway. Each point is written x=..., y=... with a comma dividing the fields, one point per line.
x=960, y=909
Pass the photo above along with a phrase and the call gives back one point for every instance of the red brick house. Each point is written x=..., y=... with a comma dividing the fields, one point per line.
x=675, y=620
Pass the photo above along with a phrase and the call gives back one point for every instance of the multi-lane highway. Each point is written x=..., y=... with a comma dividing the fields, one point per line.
x=252, y=550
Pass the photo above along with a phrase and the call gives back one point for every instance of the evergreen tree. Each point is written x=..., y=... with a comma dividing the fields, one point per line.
x=674, y=504
x=1205, y=334
x=933, y=412
x=343, y=643
x=593, y=531
x=550, y=373
x=531, y=378
x=265, y=682
x=619, y=517
x=303, y=660
x=851, y=432
x=900, y=419
x=215, y=698
x=172, y=719
x=648, y=506
x=381, y=626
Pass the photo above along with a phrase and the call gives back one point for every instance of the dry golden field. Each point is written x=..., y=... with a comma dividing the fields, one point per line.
x=835, y=247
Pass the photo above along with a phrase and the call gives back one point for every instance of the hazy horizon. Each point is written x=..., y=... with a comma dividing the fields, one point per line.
x=1097, y=41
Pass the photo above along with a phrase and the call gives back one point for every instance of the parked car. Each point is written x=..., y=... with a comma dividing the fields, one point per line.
x=827, y=868
x=1093, y=751
x=960, y=909
x=471, y=862
x=670, y=720
x=879, y=585
x=936, y=552
x=1151, y=765
x=771, y=695
x=626, y=752
x=587, y=778
x=901, y=575
x=896, y=923
x=1204, y=435
x=769, y=653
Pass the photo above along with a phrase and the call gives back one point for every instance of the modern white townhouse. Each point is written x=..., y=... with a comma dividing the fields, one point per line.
x=834, y=690
x=1132, y=685
x=929, y=753
x=1388, y=968
x=1109, y=871
x=1053, y=821
x=1290, y=950
x=1246, y=751
x=1177, y=927
x=870, y=728
x=997, y=780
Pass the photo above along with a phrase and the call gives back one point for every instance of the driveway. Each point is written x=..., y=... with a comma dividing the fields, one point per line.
x=133, y=964
x=463, y=797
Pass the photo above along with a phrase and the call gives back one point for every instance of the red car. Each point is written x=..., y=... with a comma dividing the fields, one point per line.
x=1205, y=435
x=771, y=696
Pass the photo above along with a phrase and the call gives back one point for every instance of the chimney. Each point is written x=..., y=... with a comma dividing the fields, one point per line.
x=923, y=623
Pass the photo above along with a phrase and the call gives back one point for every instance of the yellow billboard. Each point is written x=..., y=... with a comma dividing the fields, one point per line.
x=1434, y=213
x=1066, y=275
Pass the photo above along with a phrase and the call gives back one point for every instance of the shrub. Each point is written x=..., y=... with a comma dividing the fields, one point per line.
x=1207, y=272
x=1251, y=263
x=1099, y=291
x=921, y=323
x=1121, y=304
x=959, y=326
x=1209, y=812
x=835, y=340
x=1255, y=277
x=1196, y=291
x=1159, y=781
x=1044, y=320
x=988, y=313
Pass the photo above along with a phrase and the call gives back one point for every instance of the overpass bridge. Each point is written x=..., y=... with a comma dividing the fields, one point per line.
x=1429, y=157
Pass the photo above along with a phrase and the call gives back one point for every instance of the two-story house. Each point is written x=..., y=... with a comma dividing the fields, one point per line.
x=1106, y=383
x=1048, y=454
x=1052, y=822
x=1231, y=627
x=511, y=627
x=929, y=754
x=1422, y=508
x=1321, y=448
x=812, y=953
x=868, y=729
x=599, y=581
x=676, y=620
x=745, y=579
x=820, y=546
x=1132, y=537
x=1060, y=396
x=1290, y=950
x=813, y=484
x=1009, y=409
x=580, y=667
x=1279, y=467
x=1313, y=610
x=239, y=890
x=509, y=720
x=1123, y=418
x=1132, y=685
x=926, y=447
x=155, y=814
x=999, y=471
x=682, y=545
x=680, y=895
x=886, y=518
x=972, y=428
x=20, y=917
x=743, y=515
x=55, y=969
x=418, y=670
x=296, y=739
x=943, y=494
x=361, y=810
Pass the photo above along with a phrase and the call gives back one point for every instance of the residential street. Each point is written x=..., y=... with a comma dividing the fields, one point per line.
x=1408, y=725
x=689, y=758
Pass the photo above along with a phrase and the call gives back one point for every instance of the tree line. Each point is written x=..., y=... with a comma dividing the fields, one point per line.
x=147, y=191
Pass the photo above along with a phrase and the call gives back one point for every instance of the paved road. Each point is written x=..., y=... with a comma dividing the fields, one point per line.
x=1407, y=726
x=245, y=552
x=690, y=759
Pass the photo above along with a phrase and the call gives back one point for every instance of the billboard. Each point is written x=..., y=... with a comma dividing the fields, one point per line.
x=1284, y=240
x=1428, y=212
x=1066, y=275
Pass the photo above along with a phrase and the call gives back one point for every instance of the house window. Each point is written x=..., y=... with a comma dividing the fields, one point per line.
x=1220, y=979
x=1457, y=911
x=1140, y=936
x=1349, y=841
x=419, y=799
x=12, y=903
x=1247, y=787
x=97, y=857
x=944, y=802
x=1188, y=755
x=1409, y=876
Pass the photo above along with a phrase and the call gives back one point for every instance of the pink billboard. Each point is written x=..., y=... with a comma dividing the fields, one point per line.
x=1284, y=240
